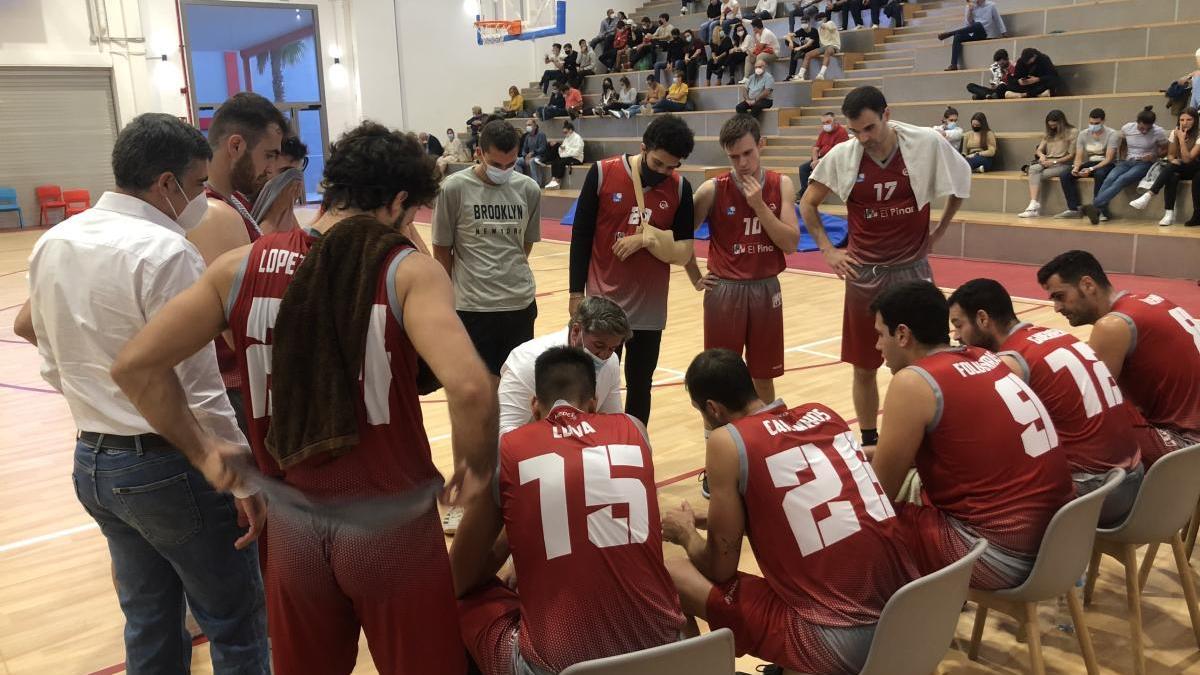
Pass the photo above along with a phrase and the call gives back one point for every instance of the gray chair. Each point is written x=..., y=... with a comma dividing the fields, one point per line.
x=1164, y=503
x=709, y=654
x=1061, y=559
x=902, y=646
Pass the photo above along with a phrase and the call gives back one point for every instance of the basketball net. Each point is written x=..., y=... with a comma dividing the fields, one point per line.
x=494, y=32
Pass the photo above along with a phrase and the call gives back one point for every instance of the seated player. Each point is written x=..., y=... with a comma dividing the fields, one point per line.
x=591, y=580
x=826, y=537
x=983, y=444
x=1094, y=424
x=1150, y=344
x=752, y=228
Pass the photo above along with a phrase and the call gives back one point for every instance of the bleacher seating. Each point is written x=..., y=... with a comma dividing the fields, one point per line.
x=1113, y=54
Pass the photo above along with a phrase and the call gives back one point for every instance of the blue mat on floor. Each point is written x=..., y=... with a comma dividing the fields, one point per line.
x=835, y=228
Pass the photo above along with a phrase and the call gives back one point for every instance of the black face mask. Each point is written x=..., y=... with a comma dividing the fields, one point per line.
x=650, y=177
x=976, y=127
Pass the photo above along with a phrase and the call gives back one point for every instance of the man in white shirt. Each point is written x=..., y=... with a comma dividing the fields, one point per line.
x=765, y=47
x=599, y=327
x=563, y=154
x=95, y=280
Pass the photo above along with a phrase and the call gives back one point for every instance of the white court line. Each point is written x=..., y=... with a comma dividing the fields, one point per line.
x=676, y=375
x=47, y=537
x=804, y=348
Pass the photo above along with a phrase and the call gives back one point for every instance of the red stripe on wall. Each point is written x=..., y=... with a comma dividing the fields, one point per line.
x=233, y=83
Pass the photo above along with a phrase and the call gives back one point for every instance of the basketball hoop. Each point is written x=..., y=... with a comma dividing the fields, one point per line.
x=495, y=32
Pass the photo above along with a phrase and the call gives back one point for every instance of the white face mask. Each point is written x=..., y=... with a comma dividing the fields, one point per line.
x=827, y=127
x=1096, y=128
x=499, y=176
x=193, y=212
x=596, y=360
x=951, y=125
x=804, y=27
x=529, y=128
x=759, y=71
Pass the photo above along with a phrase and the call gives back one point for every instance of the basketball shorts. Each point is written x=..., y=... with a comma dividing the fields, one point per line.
x=936, y=540
x=858, y=322
x=767, y=628
x=490, y=619
x=747, y=316
x=495, y=334
x=324, y=584
x=1158, y=441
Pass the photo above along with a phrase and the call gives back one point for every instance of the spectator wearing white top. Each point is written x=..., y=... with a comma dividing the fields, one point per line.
x=765, y=10
x=563, y=154
x=765, y=47
x=731, y=13
x=95, y=280
x=586, y=64
x=1145, y=144
x=949, y=128
x=599, y=327
x=982, y=22
x=1183, y=161
x=831, y=44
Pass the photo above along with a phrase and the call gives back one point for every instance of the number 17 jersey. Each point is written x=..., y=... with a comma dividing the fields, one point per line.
x=581, y=510
x=886, y=227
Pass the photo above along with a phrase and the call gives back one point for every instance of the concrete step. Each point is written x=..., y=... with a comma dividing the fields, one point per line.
x=880, y=72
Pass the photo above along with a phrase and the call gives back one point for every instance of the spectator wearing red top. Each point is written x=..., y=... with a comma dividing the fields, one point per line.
x=574, y=99
x=831, y=134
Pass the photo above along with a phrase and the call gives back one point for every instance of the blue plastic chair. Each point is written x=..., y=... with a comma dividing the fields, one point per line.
x=8, y=202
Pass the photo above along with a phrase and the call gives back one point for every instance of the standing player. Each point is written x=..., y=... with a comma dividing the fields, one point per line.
x=822, y=530
x=629, y=203
x=592, y=580
x=1094, y=425
x=983, y=443
x=887, y=175
x=750, y=232
x=324, y=583
x=1150, y=344
x=485, y=222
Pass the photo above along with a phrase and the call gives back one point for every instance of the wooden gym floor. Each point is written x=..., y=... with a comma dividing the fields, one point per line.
x=59, y=613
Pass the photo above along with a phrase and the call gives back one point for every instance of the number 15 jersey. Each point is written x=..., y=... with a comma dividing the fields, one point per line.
x=822, y=530
x=581, y=510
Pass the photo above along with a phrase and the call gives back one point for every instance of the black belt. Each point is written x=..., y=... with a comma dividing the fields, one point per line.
x=116, y=442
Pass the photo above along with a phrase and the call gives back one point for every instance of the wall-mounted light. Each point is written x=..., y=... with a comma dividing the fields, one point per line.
x=335, y=52
x=338, y=77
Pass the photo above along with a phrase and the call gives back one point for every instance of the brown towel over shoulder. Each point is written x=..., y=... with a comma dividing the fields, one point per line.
x=319, y=338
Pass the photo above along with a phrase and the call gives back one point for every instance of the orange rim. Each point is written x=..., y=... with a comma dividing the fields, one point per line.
x=512, y=27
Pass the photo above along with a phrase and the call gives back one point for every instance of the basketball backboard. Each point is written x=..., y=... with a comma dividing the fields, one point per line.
x=538, y=18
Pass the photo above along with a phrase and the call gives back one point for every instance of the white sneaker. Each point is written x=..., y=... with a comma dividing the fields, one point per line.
x=451, y=520
x=539, y=162
x=1142, y=202
x=979, y=169
x=858, y=27
x=744, y=80
x=1070, y=213
x=1032, y=211
x=1103, y=217
x=802, y=74
x=1167, y=219
x=552, y=185
x=683, y=10
x=615, y=113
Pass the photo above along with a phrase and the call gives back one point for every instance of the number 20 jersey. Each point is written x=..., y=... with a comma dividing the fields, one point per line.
x=581, y=509
x=822, y=530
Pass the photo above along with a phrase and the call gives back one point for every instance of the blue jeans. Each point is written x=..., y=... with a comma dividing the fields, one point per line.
x=170, y=536
x=806, y=170
x=662, y=65
x=1124, y=174
x=1070, y=184
x=530, y=169
x=667, y=105
x=985, y=162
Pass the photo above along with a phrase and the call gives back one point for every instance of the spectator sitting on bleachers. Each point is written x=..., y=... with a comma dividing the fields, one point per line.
x=849, y=9
x=1096, y=152
x=831, y=44
x=1145, y=144
x=801, y=43
x=608, y=97
x=456, y=151
x=740, y=45
x=756, y=95
x=949, y=128
x=713, y=12
x=432, y=145
x=570, y=63
x=562, y=154
x=1192, y=80
x=1054, y=155
x=677, y=94
x=831, y=134
x=555, y=72
x=694, y=56
x=1001, y=70
x=731, y=14
x=586, y=61
x=1034, y=75
x=765, y=47
x=533, y=145
x=474, y=123
x=641, y=53
x=805, y=10
x=672, y=59
x=662, y=34
x=557, y=107
x=608, y=28
x=515, y=105
x=764, y=10
x=720, y=45
x=983, y=22
x=618, y=47
x=892, y=9
x=655, y=92
x=573, y=100
x=979, y=144
x=626, y=99
x=1183, y=160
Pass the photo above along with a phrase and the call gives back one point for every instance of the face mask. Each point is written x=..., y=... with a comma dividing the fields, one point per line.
x=677, y=80
x=951, y=125
x=1053, y=129
x=827, y=127
x=499, y=176
x=450, y=135
x=1095, y=128
x=529, y=128
x=192, y=213
x=976, y=127
x=759, y=71
x=804, y=26
x=650, y=177
x=596, y=360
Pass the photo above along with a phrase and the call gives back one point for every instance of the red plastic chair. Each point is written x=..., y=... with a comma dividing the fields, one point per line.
x=49, y=197
x=77, y=201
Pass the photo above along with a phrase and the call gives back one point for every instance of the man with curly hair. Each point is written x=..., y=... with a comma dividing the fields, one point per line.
x=323, y=581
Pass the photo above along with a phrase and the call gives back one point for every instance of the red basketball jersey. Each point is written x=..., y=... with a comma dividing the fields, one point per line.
x=226, y=359
x=1161, y=374
x=886, y=227
x=738, y=248
x=581, y=508
x=639, y=283
x=990, y=458
x=393, y=452
x=1094, y=425
x=822, y=529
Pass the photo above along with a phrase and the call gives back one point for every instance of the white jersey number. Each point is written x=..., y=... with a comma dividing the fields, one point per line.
x=1189, y=324
x=1027, y=409
x=812, y=535
x=600, y=489
x=752, y=225
x=884, y=191
x=1091, y=385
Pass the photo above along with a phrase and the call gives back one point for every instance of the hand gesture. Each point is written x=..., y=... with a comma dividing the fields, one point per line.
x=842, y=263
x=706, y=282
x=628, y=245
x=679, y=524
x=463, y=486
x=751, y=190
x=223, y=464
x=252, y=513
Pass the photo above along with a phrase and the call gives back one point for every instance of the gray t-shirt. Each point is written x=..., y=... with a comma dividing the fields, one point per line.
x=488, y=227
x=1143, y=147
x=1095, y=147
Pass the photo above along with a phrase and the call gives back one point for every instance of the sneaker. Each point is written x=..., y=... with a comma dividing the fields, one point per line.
x=1032, y=211
x=704, y=485
x=1168, y=219
x=1194, y=221
x=615, y=113
x=1070, y=213
x=979, y=169
x=943, y=36
x=683, y=10
x=451, y=520
x=770, y=669
x=1104, y=217
x=1142, y=202
x=1093, y=214
x=744, y=80
x=820, y=75
x=552, y=185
